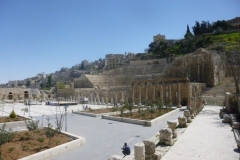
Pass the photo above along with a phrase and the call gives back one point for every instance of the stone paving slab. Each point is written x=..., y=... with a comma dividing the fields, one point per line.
x=206, y=138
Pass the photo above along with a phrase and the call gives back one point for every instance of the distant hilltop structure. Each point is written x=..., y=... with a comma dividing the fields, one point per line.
x=169, y=42
x=235, y=23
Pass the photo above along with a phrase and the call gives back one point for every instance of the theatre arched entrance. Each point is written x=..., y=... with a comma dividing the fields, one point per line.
x=26, y=95
x=10, y=96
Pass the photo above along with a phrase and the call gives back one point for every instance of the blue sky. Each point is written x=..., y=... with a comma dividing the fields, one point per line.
x=45, y=35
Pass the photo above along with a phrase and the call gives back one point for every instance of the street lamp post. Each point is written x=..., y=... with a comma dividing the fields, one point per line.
x=65, y=117
x=42, y=120
x=29, y=107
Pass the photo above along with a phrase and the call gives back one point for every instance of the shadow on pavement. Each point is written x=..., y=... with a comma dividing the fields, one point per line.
x=236, y=150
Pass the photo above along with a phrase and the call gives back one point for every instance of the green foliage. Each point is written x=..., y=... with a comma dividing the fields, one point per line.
x=49, y=131
x=49, y=81
x=139, y=111
x=12, y=114
x=28, y=83
x=31, y=125
x=160, y=104
x=6, y=135
x=10, y=149
x=57, y=142
x=114, y=109
x=121, y=111
x=82, y=66
x=60, y=85
x=40, y=139
x=188, y=34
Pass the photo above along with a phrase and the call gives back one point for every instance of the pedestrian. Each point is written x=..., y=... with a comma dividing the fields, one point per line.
x=126, y=149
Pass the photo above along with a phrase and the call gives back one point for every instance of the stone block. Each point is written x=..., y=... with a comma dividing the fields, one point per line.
x=139, y=151
x=226, y=119
x=186, y=113
x=172, y=125
x=149, y=146
x=165, y=134
x=182, y=120
x=115, y=157
x=169, y=143
x=155, y=156
x=174, y=134
x=236, y=125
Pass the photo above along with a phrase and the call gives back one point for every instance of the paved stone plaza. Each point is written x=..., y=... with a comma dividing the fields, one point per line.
x=103, y=137
x=206, y=137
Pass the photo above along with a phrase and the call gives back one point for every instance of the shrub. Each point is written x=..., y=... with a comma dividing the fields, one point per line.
x=6, y=136
x=10, y=149
x=40, y=139
x=12, y=114
x=31, y=125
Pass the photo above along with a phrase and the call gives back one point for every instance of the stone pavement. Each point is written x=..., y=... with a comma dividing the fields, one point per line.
x=103, y=137
x=205, y=138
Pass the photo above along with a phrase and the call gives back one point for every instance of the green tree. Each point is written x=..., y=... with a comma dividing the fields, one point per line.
x=60, y=85
x=28, y=83
x=49, y=81
x=196, y=29
x=82, y=66
x=188, y=34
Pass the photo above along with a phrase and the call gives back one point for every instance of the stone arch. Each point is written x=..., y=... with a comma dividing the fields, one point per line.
x=10, y=96
x=26, y=95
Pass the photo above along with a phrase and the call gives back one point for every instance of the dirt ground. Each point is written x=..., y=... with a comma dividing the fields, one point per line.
x=146, y=114
x=142, y=115
x=26, y=143
x=105, y=110
x=8, y=119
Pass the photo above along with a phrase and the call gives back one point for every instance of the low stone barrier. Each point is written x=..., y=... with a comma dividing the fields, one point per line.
x=16, y=124
x=101, y=114
x=142, y=122
x=49, y=153
x=88, y=114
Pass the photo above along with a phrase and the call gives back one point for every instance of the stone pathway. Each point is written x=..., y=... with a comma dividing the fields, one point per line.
x=206, y=138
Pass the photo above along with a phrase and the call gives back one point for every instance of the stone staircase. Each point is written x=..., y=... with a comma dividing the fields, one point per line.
x=216, y=95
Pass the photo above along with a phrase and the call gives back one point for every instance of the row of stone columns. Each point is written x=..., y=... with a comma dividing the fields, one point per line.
x=168, y=94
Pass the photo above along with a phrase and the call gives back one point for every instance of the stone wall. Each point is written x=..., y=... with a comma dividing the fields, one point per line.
x=14, y=93
x=201, y=66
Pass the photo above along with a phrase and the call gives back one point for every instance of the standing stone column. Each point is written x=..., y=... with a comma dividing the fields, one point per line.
x=112, y=99
x=154, y=92
x=146, y=91
x=91, y=98
x=139, y=151
x=161, y=93
x=178, y=95
x=189, y=93
x=140, y=94
x=133, y=93
x=198, y=69
x=122, y=97
x=170, y=93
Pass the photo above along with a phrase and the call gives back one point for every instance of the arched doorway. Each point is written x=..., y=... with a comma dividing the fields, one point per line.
x=26, y=95
x=10, y=96
x=184, y=102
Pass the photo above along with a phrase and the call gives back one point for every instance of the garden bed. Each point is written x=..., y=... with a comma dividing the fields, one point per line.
x=8, y=119
x=145, y=114
x=105, y=110
x=142, y=121
x=37, y=145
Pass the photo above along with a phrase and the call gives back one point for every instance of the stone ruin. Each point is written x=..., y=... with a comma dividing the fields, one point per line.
x=167, y=136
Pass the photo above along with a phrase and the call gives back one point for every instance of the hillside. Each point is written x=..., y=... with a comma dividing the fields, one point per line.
x=219, y=41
